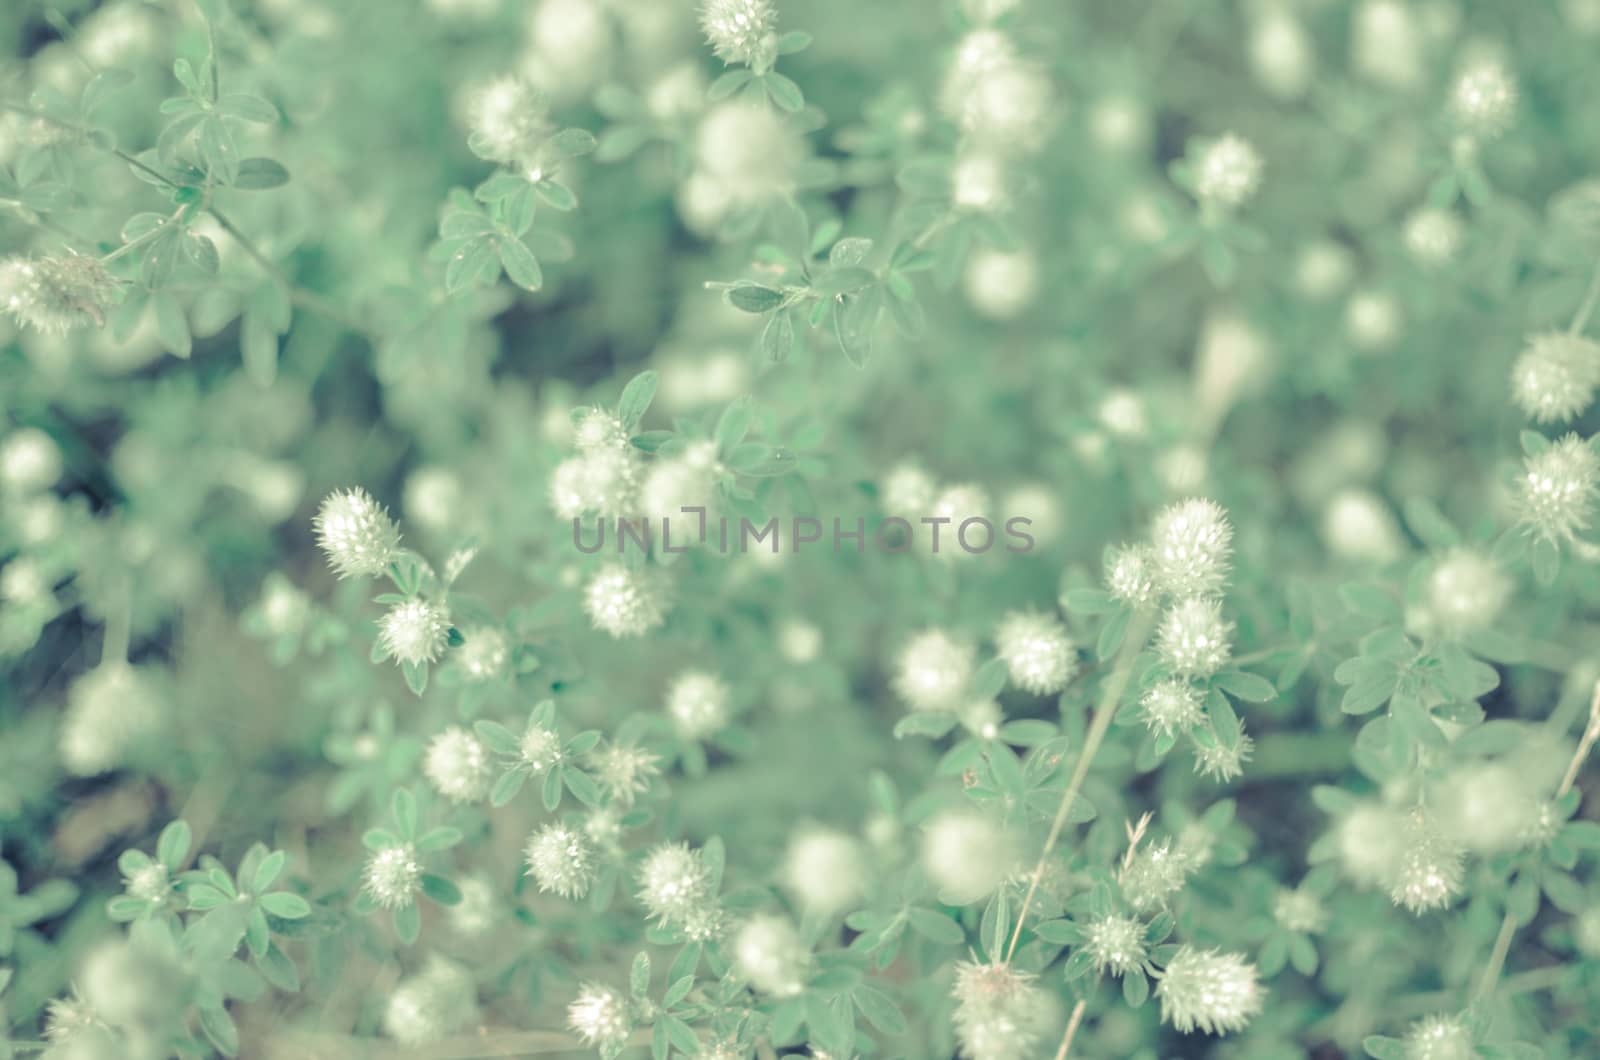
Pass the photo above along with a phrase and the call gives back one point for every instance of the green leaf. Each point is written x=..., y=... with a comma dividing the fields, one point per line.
x=933, y=723
x=935, y=926
x=732, y=425
x=522, y=268
x=636, y=399
x=172, y=327
x=407, y=923
x=639, y=975
x=557, y=195
x=246, y=107
x=784, y=92
x=172, y=848
x=728, y=84
x=754, y=298
x=260, y=174
x=1245, y=686
x=268, y=871
x=440, y=889
x=777, y=338
x=286, y=906
x=219, y=1028
x=880, y=1010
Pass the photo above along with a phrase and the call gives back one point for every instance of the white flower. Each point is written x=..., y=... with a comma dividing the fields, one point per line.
x=1484, y=98
x=768, y=952
x=393, y=876
x=934, y=669
x=600, y=1016
x=1429, y=871
x=1296, y=909
x=1557, y=491
x=1037, y=651
x=1155, y=874
x=624, y=602
x=598, y=430
x=1170, y=706
x=1208, y=990
x=1466, y=591
x=1116, y=943
x=675, y=886
x=30, y=461
x=1130, y=575
x=1001, y=1012
x=824, y=870
x=697, y=703
x=1554, y=378
x=1193, y=639
x=967, y=854
x=112, y=711
x=483, y=653
x=1228, y=171
x=1191, y=546
x=437, y=1001
x=458, y=765
x=356, y=533
x=624, y=770
x=738, y=29
x=1439, y=1038
x=907, y=490
x=1434, y=236
x=1218, y=760
x=561, y=860
x=509, y=121
x=414, y=631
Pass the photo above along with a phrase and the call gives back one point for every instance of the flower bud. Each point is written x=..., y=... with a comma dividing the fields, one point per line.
x=1484, y=99
x=1428, y=873
x=676, y=888
x=624, y=602
x=1555, y=376
x=601, y=1017
x=1556, y=493
x=738, y=30
x=1227, y=171
x=824, y=870
x=697, y=703
x=437, y=1001
x=393, y=876
x=1001, y=1012
x=414, y=631
x=1171, y=706
x=934, y=669
x=1191, y=546
x=1116, y=943
x=1439, y=1038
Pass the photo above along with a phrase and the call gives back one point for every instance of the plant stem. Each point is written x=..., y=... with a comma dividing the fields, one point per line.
x=1580, y=319
x=1072, y=1030
x=1508, y=926
x=118, y=632
x=1140, y=627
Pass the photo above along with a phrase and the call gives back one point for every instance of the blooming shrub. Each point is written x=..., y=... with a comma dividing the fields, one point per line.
x=745, y=528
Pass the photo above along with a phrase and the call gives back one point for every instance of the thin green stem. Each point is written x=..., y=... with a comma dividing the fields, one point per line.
x=1580, y=320
x=1111, y=692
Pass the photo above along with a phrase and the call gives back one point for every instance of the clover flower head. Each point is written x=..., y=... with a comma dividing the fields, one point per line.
x=1220, y=761
x=978, y=183
x=1154, y=874
x=458, y=766
x=393, y=876
x=598, y=430
x=1191, y=543
x=1429, y=871
x=1008, y=107
x=625, y=770
x=1131, y=575
x=57, y=294
x=1557, y=489
x=1434, y=236
x=414, y=631
x=478, y=912
x=934, y=669
x=539, y=748
x=1296, y=909
x=967, y=854
x=438, y=1000
x=604, y=482
x=1037, y=650
x=675, y=886
x=1208, y=990
x=624, y=602
x=768, y=951
x=112, y=712
x=356, y=533
x=907, y=490
x=600, y=1016
x=483, y=653
x=1438, y=1037
x=1484, y=98
x=825, y=870
x=1227, y=171
x=747, y=151
x=738, y=30
x=1116, y=943
x=561, y=860
x=1359, y=525
x=1001, y=1012
x=1466, y=591
x=30, y=461
x=1555, y=376
x=697, y=703
x=1193, y=639
x=1171, y=706
x=509, y=121
x=1369, y=841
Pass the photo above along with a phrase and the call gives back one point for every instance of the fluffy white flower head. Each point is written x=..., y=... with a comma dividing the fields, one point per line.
x=934, y=669
x=561, y=860
x=1557, y=489
x=1555, y=376
x=458, y=766
x=1209, y=991
x=356, y=533
x=1228, y=171
x=1037, y=651
x=1191, y=544
x=738, y=30
x=1193, y=638
x=623, y=602
x=600, y=1016
x=414, y=631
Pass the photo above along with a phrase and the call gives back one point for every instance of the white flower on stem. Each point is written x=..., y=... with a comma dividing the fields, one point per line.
x=414, y=631
x=561, y=860
x=1037, y=650
x=1208, y=990
x=356, y=533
